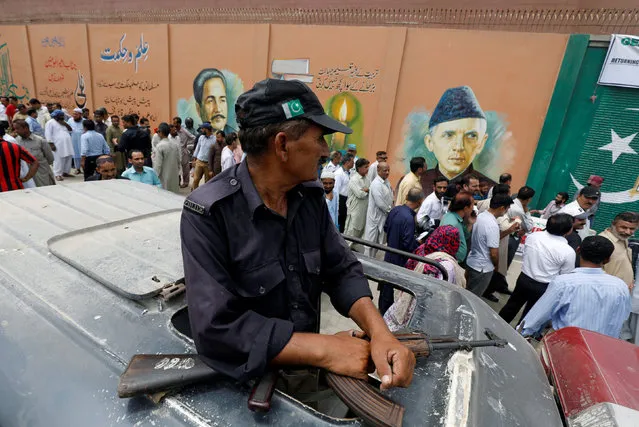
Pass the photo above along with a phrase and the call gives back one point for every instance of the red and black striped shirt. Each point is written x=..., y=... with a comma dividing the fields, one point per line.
x=10, y=156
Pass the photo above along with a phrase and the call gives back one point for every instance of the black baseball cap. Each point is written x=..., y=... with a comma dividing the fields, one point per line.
x=275, y=101
x=590, y=192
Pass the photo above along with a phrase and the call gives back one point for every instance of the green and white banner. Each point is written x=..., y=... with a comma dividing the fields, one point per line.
x=621, y=67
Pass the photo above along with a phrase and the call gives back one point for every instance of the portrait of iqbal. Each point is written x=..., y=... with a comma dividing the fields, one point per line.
x=457, y=134
x=211, y=99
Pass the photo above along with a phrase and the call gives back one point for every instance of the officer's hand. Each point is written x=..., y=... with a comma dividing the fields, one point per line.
x=394, y=361
x=348, y=354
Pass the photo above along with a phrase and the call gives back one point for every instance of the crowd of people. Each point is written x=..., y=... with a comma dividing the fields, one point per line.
x=474, y=229
x=471, y=227
x=53, y=145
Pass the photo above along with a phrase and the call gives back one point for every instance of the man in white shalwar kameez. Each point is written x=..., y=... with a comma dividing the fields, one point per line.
x=380, y=203
x=77, y=129
x=357, y=203
x=167, y=159
x=58, y=132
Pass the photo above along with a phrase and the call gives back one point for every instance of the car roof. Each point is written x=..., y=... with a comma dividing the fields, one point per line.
x=67, y=331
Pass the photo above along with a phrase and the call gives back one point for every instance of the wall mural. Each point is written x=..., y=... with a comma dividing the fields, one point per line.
x=392, y=97
x=66, y=74
x=349, y=78
x=7, y=85
x=346, y=108
x=343, y=106
x=124, y=55
x=213, y=100
x=129, y=67
x=60, y=61
x=611, y=150
x=457, y=137
x=128, y=95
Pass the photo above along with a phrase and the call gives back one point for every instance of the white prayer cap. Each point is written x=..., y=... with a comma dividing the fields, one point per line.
x=327, y=175
x=77, y=110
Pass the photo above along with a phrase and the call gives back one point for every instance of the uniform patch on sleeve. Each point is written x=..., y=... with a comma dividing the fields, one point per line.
x=194, y=207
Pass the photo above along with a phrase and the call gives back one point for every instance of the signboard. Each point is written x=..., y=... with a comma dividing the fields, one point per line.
x=621, y=67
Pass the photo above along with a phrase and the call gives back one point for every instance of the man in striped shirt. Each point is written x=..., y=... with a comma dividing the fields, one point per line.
x=587, y=298
x=10, y=156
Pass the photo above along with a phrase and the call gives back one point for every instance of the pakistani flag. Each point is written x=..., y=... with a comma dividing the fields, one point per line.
x=611, y=151
x=293, y=108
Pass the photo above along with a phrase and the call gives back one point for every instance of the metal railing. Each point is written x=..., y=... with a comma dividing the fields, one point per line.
x=398, y=252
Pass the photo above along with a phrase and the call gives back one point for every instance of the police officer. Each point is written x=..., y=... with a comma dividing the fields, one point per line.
x=259, y=247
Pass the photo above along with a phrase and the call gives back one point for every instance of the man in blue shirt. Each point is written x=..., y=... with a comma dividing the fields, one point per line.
x=32, y=121
x=201, y=155
x=140, y=173
x=587, y=298
x=92, y=146
x=400, y=232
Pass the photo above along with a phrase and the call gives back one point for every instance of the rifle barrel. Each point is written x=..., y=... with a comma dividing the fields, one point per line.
x=456, y=345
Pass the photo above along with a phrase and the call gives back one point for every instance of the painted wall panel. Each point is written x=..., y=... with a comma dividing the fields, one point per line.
x=349, y=75
x=60, y=58
x=130, y=69
x=197, y=66
x=512, y=76
x=383, y=82
x=16, y=77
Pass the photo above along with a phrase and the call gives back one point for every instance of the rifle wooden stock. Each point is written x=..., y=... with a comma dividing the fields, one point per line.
x=153, y=373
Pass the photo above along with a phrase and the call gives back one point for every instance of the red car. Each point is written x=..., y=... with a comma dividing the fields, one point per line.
x=596, y=377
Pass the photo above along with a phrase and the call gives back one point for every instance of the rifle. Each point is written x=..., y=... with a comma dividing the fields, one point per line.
x=158, y=373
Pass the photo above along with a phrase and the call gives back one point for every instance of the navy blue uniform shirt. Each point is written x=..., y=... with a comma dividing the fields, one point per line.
x=254, y=277
x=400, y=232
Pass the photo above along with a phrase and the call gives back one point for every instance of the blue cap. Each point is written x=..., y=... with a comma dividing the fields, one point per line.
x=456, y=103
x=206, y=126
x=351, y=147
x=57, y=113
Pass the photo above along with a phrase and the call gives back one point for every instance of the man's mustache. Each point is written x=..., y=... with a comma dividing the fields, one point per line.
x=218, y=116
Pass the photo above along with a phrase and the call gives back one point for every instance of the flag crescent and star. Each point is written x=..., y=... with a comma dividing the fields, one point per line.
x=617, y=147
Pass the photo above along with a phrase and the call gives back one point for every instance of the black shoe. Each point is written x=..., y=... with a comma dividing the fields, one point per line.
x=492, y=297
x=505, y=291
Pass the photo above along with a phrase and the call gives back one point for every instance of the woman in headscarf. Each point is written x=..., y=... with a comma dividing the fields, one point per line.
x=441, y=245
